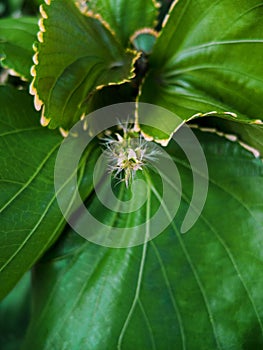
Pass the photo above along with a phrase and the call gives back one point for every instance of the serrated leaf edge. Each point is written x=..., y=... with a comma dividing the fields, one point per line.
x=12, y=71
x=38, y=103
x=144, y=30
x=165, y=142
x=167, y=16
x=230, y=137
x=157, y=5
x=32, y=89
x=86, y=11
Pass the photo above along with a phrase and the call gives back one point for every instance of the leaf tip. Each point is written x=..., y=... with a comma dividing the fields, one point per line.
x=37, y=102
x=33, y=91
x=231, y=114
x=41, y=25
x=43, y=12
x=258, y=122
x=33, y=71
x=44, y=121
x=40, y=37
x=35, y=60
x=251, y=149
x=63, y=132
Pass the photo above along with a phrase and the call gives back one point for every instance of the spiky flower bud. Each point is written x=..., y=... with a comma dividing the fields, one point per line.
x=128, y=153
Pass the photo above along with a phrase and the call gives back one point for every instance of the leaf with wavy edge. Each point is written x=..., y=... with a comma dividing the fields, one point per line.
x=76, y=55
x=126, y=17
x=208, y=58
x=201, y=290
x=17, y=36
x=249, y=135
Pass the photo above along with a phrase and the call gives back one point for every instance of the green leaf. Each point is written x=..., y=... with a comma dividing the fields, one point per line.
x=15, y=315
x=250, y=134
x=17, y=36
x=144, y=40
x=208, y=58
x=30, y=217
x=76, y=55
x=200, y=290
x=126, y=17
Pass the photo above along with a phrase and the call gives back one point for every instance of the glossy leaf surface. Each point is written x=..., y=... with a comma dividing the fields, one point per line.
x=126, y=17
x=208, y=58
x=76, y=55
x=30, y=217
x=200, y=290
x=17, y=36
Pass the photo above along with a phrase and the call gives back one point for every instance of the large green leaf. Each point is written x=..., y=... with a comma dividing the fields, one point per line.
x=201, y=290
x=208, y=57
x=30, y=219
x=126, y=17
x=17, y=36
x=30, y=216
x=76, y=55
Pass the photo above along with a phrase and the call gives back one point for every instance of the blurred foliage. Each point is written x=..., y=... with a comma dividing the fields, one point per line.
x=16, y=8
